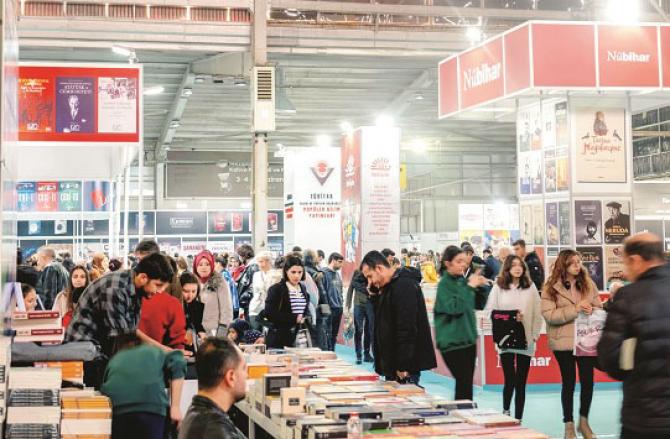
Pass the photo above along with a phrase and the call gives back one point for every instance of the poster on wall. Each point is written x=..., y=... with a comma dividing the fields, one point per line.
x=550, y=171
x=548, y=125
x=513, y=216
x=97, y=196
x=351, y=203
x=36, y=112
x=536, y=172
x=564, y=223
x=613, y=264
x=526, y=219
x=497, y=238
x=600, y=150
x=538, y=224
x=59, y=103
x=562, y=177
x=69, y=196
x=552, y=223
x=592, y=258
x=529, y=128
x=616, y=217
x=47, y=196
x=588, y=222
x=470, y=217
x=117, y=105
x=496, y=217
x=26, y=196
x=181, y=223
x=524, y=173
x=561, y=114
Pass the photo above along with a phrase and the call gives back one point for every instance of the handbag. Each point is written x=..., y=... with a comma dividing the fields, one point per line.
x=302, y=337
x=588, y=330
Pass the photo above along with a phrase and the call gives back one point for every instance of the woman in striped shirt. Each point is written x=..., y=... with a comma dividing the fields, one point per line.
x=286, y=304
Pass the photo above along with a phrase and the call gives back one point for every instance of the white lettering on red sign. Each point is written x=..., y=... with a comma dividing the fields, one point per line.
x=482, y=75
x=628, y=57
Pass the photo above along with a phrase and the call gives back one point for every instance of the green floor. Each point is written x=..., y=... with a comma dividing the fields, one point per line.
x=543, y=403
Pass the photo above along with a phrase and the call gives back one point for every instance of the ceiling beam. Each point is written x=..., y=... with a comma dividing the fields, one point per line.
x=404, y=99
x=174, y=114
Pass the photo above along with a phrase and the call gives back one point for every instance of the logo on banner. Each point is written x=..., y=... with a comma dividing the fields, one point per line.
x=322, y=172
x=380, y=164
x=627, y=57
x=482, y=75
x=181, y=223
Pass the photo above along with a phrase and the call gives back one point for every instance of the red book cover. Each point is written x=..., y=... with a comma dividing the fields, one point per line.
x=35, y=105
x=30, y=315
x=27, y=332
x=47, y=196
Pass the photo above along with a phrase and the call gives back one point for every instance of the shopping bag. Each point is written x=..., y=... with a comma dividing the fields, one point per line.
x=588, y=330
x=302, y=337
x=508, y=333
x=348, y=329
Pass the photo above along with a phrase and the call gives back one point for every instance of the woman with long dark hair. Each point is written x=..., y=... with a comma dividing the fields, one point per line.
x=459, y=293
x=569, y=291
x=514, y=291
x=287, y=304
x=66, y=300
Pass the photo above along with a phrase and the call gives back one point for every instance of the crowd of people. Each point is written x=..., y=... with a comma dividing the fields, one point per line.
x=162, y=320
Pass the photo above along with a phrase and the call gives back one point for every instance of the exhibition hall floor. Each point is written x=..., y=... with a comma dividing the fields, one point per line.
x=543, y=403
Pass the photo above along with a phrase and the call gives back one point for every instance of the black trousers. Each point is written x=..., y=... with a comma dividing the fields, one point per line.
x=515, y=381
x=335, y=320
x=567, y=361
x=630, y=434
x=461, y=364
x=138, y=425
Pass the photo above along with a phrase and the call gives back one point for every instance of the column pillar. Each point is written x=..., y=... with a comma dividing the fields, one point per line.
x=260, y=191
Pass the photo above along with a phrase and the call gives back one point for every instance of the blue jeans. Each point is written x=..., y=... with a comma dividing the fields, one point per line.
x=364, y=321
x=335, y=320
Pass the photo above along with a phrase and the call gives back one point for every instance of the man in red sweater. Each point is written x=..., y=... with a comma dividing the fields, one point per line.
x=162, y=320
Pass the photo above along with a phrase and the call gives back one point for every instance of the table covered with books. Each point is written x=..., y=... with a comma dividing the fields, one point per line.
x=310, y=394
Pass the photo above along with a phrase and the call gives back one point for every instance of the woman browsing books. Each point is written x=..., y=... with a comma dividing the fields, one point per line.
x=569, y=291
x=514, y=291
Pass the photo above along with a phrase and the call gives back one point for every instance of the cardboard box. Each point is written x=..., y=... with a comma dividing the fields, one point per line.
x=292, y=400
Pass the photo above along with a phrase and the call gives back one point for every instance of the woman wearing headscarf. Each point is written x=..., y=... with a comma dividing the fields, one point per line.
x=214, y=294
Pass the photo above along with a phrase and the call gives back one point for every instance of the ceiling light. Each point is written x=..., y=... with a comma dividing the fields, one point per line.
x=623, y=11
x=346, y=127
x=186, y=92
x=292, y=12
x=123, y=51
x=384, y=120
x=418, y=96
x=474, y=34
x=323, y=141
x=240, y=82
x=200, y=79
x=151, y=91
x=174, y=124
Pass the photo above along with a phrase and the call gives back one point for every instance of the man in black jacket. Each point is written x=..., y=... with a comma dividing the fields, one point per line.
x=364, y=316
x=403, y=345
x=535, y=268
x=639, y=313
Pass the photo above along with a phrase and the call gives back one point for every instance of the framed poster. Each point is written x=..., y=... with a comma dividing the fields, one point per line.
x=562, y=174
x=538, y=224
x=561, y=115
x=526, y=225
x=524, y=173
x=564, y=223
x=613, y=264
x=551, y=210
x=536, y=172
x=588, y=222
x=550, y=171
x=599, y=141
x=592, y=258
x=616, y=217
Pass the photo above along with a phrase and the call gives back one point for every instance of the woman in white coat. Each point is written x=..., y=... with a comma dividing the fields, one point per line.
x=514, y=291
x=214, y=294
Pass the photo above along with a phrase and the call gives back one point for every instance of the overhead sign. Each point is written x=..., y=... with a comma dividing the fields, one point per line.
x=481, y=74
x=65, y=104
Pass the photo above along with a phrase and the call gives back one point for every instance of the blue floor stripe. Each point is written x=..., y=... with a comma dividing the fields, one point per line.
x=543, y=403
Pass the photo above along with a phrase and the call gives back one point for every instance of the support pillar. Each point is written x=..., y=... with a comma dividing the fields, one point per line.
x=260, y=192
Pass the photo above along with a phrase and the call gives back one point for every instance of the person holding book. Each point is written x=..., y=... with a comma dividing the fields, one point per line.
x=135, y=382
x=514, y=291
x=569, y=291
x=637, y=332
x=67, y=300
x=459, y=293
x=193, y=310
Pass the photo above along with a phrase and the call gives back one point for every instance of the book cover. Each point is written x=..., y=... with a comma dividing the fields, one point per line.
x=36, y=105
x=74, y=105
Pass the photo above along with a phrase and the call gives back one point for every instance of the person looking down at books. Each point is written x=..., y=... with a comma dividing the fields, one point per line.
x=67, y=300
x=193, y=310
x=135, y=382
x=29, y=297
x=635, y=344
x=514, y=291
x=222, y=381
x=460, y=292
x=569, y=291
x=287, y=304
x=111, y=306
x=403, y=346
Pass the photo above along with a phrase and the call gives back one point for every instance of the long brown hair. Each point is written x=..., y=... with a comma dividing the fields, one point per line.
x=560, y=274
x=70, y=296
x=505, y=278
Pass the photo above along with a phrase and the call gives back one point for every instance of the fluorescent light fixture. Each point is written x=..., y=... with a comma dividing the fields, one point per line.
x=323, y=141
x=152, y=91
x=186, y=92
x=474, y=34
x=292, y=12
x=174, y=124
x=418, y=96
x=123, y=51
x=346, y=127
x=623, y=11
x=419, y=146
x=240, y=82
x=384, y=120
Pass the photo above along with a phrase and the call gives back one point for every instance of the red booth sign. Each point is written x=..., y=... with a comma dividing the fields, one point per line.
x=628, y=56
x=481, y=74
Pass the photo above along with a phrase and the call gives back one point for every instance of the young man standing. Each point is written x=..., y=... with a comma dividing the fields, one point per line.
x=332, y=283
x=535, y=268
x=358, y=299
x=53, y=278
x=403, y=345
x=222, y=381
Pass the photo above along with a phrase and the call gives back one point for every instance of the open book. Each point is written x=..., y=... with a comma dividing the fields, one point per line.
x=627, y=354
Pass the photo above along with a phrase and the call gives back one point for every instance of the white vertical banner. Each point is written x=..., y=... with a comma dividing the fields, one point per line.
x=380, y=188
x=312, y=198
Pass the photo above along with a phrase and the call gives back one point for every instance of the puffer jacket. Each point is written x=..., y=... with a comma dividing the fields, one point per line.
x=535, y=269
x=560, y=311
x=640, y=310
x=218, y=305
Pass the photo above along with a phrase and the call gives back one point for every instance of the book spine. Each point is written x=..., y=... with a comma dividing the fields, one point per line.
x=35, y=315
x=33, y=332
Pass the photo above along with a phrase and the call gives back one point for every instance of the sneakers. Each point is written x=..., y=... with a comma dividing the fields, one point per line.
x=368, y=358
x=506, y=412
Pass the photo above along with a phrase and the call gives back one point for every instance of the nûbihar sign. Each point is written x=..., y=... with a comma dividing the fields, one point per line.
x=556, y=55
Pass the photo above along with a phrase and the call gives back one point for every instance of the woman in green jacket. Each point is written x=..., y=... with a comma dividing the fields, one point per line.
x=459, y=293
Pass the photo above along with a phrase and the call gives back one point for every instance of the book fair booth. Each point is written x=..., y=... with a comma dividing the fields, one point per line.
x=572, y=88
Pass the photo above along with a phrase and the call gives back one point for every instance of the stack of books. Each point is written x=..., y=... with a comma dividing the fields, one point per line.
x=5, y=362
x=33, y=403
x=38, y=326
x=86, y=414
x=72, y=371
